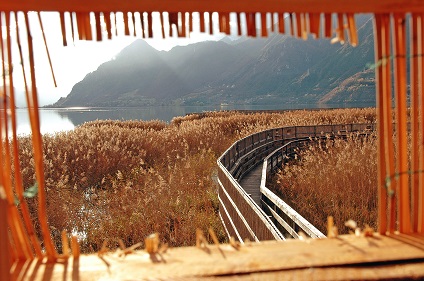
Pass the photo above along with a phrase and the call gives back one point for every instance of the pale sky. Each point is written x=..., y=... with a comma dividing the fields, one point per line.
x=72, y=63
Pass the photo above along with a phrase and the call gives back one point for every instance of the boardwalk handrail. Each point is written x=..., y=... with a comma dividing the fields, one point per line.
x=274, y=204
x=247, y=219
x=241, y=216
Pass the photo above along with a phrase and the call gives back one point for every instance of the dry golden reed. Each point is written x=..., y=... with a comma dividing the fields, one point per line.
x=127, y=179
x=333, y=178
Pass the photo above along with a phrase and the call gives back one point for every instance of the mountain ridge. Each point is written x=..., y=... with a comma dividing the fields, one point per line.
x=279, y=68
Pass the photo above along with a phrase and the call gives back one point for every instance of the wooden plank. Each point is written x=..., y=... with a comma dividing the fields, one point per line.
x=250, y=6
x=387, y=133
x=381, y=155
x=414, y=80
x=421, y=164
x=330, y=255
x=399, y=43
x=4, y=244
x=251, y=183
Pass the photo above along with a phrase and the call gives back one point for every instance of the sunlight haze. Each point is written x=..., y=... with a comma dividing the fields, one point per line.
x=73, y=62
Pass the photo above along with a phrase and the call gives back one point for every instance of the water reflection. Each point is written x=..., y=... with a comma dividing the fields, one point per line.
x=50, y=122
x=164, y=113
x=64, y=119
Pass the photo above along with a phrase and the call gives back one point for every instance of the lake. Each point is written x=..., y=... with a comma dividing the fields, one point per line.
x=65, y=119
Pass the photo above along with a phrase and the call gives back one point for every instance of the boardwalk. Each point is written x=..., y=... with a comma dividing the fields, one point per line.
x=251, y=183
x=252, y=211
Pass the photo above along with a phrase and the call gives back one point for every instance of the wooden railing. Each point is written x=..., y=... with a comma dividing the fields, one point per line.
x=274, y=219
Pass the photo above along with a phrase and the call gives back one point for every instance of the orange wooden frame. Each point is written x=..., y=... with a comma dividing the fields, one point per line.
x=401, y=181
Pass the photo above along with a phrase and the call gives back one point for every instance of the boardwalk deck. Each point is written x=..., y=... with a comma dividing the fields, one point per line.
x=251, y=183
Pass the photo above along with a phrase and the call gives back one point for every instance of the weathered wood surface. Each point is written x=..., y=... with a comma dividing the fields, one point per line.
x=251, y=183
x=344, y=258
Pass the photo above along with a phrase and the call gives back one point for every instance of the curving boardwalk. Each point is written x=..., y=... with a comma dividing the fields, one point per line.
x=248, y=209
x=251, y=183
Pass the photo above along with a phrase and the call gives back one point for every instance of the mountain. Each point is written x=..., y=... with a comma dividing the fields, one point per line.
x=269, y=70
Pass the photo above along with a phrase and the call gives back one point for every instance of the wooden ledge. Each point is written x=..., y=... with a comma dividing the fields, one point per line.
x=344, y=258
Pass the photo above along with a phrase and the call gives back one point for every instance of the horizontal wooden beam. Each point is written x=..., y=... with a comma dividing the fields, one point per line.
x=302, y=6
x=342, y=258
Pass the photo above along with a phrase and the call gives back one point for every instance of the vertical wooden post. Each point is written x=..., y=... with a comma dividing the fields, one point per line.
x=382, y=195
x=5, y=259
x=401, y=122
x=386, y=84
x=414, y=82
x=421, y=165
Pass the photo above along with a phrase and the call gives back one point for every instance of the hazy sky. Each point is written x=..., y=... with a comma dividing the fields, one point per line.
x=73, y=62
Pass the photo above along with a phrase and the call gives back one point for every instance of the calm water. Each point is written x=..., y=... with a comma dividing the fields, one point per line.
x=65, y=119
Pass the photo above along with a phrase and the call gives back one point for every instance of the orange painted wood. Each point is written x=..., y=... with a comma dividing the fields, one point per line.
x=126, y=24
x=80, y=26
x=183, y=28
x=251, y=24
x=239, y=31
x=13, y=218
x=63, y=28
x=314, y=23
x=87, y=27
x=328, y=30
x=340, y=28
x=162, y=25
x=421, y=165
x=221, y=22
x=281, y=23
x=381, y=155
x=134, y=31
x=224, y=23
x=150, y=24
x=98, y=26
x=341, y=258
x=399, y=43
x=292, y=24
x=5, y=259
x=264, y=29
x=26, y=217
x=108, y=23
x=299, y=6
x=414, y=74
x=298, y=25
x=304, y=26
x=38, y=153
x=202, y=22
x=388, y=121
x=353, y=35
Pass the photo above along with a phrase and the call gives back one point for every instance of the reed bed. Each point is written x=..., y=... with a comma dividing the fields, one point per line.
x=333, y=178
x=127, y=179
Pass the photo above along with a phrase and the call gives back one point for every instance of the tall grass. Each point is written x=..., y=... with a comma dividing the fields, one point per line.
x=126, y=179
x=333, y=178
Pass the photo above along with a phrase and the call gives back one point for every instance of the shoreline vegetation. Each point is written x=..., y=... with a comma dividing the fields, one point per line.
x=111, y=180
